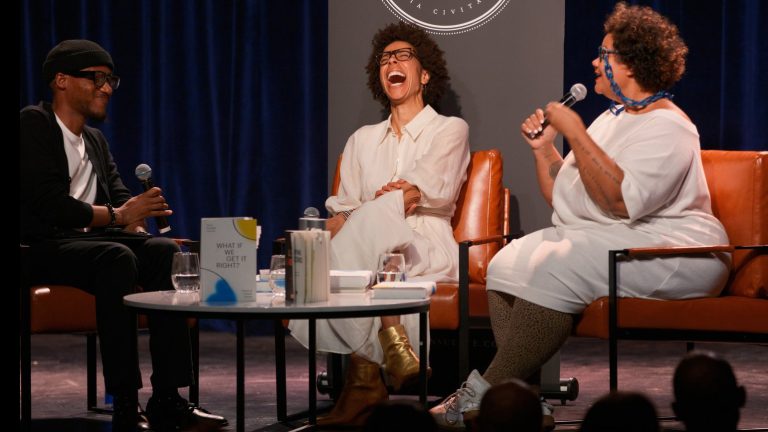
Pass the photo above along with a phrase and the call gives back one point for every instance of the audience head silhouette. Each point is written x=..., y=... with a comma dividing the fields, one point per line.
x=509, y=406
x=621, y=412
x=707, y=396
x=400, y=415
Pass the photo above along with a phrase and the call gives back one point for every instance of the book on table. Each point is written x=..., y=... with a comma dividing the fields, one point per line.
x=307, y=266
x=350, y=280
x=404, y=290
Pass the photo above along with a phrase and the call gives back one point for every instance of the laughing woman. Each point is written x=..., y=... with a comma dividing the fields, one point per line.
x=400, y=180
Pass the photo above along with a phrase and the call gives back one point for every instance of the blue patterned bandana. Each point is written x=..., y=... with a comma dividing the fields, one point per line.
x=617, y=109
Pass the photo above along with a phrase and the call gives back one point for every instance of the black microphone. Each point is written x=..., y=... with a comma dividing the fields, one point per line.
x=144, y=174
x=577, y=93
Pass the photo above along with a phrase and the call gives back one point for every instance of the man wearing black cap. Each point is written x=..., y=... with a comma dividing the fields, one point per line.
x=72, y=197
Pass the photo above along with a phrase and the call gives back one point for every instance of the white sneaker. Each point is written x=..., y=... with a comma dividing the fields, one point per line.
x=547, y=420
x=546, y=407
x=450, y=412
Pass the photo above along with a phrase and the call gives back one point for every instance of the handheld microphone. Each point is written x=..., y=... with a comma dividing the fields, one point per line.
x=144, y=174
x=577, y=93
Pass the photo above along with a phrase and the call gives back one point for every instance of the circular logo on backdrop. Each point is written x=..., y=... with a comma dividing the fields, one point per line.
x=446, y=16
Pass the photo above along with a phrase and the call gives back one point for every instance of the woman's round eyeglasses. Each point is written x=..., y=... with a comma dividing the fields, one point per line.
x=402, y=54
x=603, y=51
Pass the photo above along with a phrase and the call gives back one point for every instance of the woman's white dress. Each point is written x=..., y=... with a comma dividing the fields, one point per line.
x=565, y=267
x=433, y=154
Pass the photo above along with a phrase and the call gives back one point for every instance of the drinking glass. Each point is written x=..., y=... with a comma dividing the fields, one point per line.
x=391, y=268
x=277, y=275
x=185, y=272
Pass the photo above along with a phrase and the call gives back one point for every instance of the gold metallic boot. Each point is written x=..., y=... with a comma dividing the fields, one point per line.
x=400, y=362
x=363, y=389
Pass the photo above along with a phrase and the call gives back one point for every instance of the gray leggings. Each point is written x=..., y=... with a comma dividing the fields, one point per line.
x=526, y=335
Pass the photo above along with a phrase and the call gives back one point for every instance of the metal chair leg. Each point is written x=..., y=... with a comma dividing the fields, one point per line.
x=194, y=389
x=91, y=371
x=25, y=347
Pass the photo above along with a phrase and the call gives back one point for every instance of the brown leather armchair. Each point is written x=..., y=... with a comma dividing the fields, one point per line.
x=738, y=184
x=58, y=309
x=482, y=212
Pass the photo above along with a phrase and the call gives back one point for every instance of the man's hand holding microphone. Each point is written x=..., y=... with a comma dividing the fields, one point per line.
x=151, y=203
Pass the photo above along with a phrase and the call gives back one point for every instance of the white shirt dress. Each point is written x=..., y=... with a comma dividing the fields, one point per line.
x=565, y=267
x=433, y=154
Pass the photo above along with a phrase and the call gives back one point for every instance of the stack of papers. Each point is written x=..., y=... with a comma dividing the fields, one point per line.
x=350, y=280
x=404, y=290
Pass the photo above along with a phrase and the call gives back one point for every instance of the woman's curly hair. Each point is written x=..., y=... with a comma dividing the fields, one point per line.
x=429, y=54
x=649, y=44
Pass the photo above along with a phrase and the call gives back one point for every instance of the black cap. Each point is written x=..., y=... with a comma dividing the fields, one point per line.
x=74, y=55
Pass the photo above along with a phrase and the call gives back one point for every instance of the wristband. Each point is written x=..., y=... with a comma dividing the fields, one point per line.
x=345, y=213
x=112, y=215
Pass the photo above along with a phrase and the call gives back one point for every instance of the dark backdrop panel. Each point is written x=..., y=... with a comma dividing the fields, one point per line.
x=724, y=88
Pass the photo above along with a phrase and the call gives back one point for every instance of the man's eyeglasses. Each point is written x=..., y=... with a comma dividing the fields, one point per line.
x=603, y=51
x=99, y=78
x=402, y=54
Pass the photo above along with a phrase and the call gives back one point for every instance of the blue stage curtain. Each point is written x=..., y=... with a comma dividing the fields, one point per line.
x=724, y=88
x=226, y=100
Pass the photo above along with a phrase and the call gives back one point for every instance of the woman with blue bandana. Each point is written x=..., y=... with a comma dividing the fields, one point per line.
x=634, y=178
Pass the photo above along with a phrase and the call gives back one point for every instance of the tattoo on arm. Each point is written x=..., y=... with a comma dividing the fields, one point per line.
x=600, y=196
x=554, y=168
x=593, y=175
x=606, y=172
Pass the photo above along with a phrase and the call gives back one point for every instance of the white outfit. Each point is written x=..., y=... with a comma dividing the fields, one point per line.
x=664, y=189
x=432, y=154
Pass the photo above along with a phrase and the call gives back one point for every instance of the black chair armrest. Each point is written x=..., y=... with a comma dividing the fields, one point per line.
x=464, y=295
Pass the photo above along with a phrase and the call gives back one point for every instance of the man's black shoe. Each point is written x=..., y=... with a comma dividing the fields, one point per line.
x=127, y=416
x=175, y=413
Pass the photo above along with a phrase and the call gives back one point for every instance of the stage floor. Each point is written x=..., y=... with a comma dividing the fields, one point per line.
x=58, y=379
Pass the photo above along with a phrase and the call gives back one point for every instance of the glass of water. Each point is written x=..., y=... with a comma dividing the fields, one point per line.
x=277, y=275
x=391, y=268
x=185, y=272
